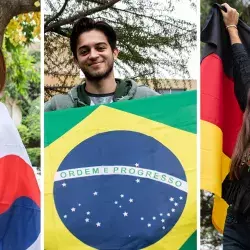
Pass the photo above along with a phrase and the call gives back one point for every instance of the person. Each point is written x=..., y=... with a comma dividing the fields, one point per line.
x=19, y=216
x=2, y=71
x=93, y=44
x=241, y=60
x=236, y=186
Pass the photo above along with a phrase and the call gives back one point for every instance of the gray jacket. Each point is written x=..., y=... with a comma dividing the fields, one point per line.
x=77, y=97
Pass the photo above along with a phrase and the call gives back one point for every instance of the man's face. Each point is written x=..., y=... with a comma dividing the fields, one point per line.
x=94, y=55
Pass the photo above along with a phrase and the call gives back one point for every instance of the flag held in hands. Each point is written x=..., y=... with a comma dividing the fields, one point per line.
x=221, y=116
x=122, y=176
x=19, y=191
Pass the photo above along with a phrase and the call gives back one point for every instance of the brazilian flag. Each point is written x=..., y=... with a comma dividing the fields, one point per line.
x=122, y=176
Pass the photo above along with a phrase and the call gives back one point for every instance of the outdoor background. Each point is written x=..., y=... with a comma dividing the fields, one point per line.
x=210, y=238
x=20, y=42
x=157, y=40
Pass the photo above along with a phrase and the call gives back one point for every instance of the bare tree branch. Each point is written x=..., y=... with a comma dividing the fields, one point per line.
x=57, y=14
x=79, y=15
x=150, y=17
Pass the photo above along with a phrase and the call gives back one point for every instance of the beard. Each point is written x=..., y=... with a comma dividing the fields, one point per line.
x=97, y=76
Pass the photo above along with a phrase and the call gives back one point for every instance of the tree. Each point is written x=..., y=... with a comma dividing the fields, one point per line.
x=9, y=9
x=151, y=41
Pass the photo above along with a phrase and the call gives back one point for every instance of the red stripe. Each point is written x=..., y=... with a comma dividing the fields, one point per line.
x=17, y=179
x=218, y=102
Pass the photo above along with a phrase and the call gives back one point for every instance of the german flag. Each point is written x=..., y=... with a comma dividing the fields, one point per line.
x=221, y=115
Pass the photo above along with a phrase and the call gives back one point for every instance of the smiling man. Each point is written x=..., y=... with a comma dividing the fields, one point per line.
x=93, y=44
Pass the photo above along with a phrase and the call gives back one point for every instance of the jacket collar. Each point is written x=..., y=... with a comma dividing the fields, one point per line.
x=125, y=90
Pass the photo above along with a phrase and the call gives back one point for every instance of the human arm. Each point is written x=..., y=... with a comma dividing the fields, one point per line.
x=241, y=60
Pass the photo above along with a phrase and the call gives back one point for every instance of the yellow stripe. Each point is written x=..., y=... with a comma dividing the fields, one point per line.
x=219, y=213
x=214, y=168
x=56, y=234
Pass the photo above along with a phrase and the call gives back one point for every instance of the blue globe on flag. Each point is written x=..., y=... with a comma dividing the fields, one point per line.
x=120, y=190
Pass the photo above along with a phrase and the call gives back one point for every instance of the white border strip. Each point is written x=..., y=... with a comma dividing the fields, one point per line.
x=122, y=170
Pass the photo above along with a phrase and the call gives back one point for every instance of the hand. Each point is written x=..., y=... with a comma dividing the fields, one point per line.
x=231, y=17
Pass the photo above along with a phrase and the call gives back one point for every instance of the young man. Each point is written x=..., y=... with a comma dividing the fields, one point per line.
x=93, y=44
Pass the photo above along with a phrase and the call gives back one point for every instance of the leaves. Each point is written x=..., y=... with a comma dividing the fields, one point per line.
x=23, y=29
x=37, y=3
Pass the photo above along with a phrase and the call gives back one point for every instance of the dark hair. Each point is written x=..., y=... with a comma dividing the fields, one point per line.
x=2, y=71
x=242, y=143
x=87, y=24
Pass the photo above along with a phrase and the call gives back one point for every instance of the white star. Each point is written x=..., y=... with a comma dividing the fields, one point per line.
x=162, y=220
x=87, y=220
x=88, y=213
x=149, y=225
x=176, y=204
x=138, y=180
x=79, y=204
x=120, y=206
x=163, y=227
x=142, y=218
x=168, y=214
x=116, y=202
x=173, y=210
x=125, y=214
x=65, y=216
x=181, y=198
x=161, y=214
x=171, y=199
x=98, y=224
x=131, y=200
x=137, y=165
x=122, y=195
x=73, y=209
x=95, y=193
x=154, y=218
x=64, y=184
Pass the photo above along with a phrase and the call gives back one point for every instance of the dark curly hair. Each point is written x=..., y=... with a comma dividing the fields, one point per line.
x=87, y=24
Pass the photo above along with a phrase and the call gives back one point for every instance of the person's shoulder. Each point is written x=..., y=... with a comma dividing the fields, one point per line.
x=144, y=91
x=61, y=101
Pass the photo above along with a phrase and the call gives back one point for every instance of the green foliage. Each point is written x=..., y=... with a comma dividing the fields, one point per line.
x=23, y=29
x=208, y=235
x=34, y=155
x=23, y=76
x=24, y=133
x=30, y=132
x=32, y=121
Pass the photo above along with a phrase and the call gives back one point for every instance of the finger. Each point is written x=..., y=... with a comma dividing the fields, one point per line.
x=233, y=10
x=223, y=13
x=227, y=6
